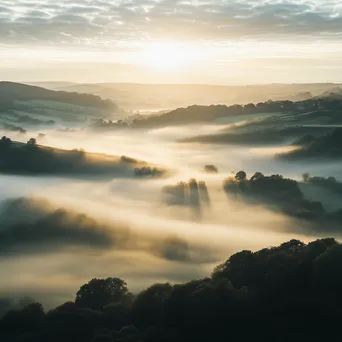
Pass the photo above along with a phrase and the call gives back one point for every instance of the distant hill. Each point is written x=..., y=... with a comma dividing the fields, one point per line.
x=333, y=93
x=135, y=96
x=279, y=122
x=10, y=91
x=24, y=106
x=53, y=85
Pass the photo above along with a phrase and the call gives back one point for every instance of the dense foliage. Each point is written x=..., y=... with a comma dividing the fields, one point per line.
x=327, y=146
x=292, y=292
x=284, y=195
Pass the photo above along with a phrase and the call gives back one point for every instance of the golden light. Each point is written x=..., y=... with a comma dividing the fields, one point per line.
x=166, y=56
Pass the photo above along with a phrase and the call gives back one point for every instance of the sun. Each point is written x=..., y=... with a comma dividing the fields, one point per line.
x=165, y=56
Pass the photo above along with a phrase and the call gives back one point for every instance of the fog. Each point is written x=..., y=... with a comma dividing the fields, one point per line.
x=79, y=229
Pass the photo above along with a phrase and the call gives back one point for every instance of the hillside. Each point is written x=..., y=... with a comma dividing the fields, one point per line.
x=32, y=159
x=24, y=106
x=280, y=122
x=10, y=91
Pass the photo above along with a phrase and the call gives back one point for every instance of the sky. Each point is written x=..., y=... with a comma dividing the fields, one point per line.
x=171, y=41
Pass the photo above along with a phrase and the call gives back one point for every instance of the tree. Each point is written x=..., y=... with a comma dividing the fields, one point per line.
x=241, y=175
x=306, y=177
x=32, y=142
x=210, y=169
x=99, y=292
x=147, y=307
x=256, y=176
x=6, y=142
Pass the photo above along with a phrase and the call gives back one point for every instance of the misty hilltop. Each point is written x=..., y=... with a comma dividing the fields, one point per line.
x=24, y=106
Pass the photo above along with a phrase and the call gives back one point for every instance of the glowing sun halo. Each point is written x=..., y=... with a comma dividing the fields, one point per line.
x=165, y=56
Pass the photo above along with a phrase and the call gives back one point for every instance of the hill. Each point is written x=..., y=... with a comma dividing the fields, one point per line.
x=30, y=106
x=10, y=91
x=280, y=122
x=32, y=159
x=135, y=96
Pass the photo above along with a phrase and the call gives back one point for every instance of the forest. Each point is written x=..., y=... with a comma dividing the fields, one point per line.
x=285, y=292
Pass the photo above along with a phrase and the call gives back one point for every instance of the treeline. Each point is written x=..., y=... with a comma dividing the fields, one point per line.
x=284, y=195
x=292, y=292
x=198, y=114
x=327, y=146
x=330, y=183
x=101, y=124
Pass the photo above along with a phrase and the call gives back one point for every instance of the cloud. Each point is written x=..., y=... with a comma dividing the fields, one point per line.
x=98, y=22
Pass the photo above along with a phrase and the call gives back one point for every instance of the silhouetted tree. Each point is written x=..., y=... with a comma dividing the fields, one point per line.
x=210, y=169
x=32, y=142
x=257, y=176
x=100, y=292
x=5, y=142
x=306, y=176
x=241, y=175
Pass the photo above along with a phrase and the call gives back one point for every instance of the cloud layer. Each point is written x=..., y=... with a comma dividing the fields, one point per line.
x=113, y=22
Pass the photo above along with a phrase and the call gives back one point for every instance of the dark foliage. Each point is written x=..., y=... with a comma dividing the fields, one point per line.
x=328, y=146
x=210, y=169
x=292, y=292
x=102, y=125
x=329, y=183
x=5, y=142
x=147, y=171
x=281, y=194
x=100, y=292
x=31, y=158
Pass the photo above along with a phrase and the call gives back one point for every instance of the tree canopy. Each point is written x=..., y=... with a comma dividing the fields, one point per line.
x=296, y=288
